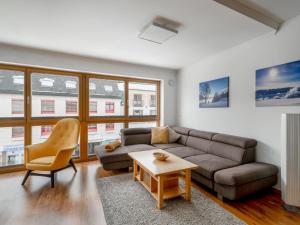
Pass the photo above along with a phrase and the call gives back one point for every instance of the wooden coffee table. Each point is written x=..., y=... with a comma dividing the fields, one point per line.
x=161, y=178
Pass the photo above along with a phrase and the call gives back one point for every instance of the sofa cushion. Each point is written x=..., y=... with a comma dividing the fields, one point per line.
x=121, y=153
x=209, y=164
x=173, y=136
x=245, y=173
x=198, y=143
x=227, y=151
x=201, y=134
x=181, y=130
x=235, y=140
x=132, y=136
x=132, y=131
x=170, y=145
x=184, y=151
x=184, y=132
x=159, y=135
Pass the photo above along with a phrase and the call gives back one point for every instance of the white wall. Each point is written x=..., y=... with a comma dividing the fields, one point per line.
x=42, y=58
x=242, y=117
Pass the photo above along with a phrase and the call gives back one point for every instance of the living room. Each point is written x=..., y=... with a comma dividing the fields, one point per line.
x=149, y=112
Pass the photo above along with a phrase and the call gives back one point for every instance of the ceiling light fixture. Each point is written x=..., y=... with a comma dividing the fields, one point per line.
x=157, y=33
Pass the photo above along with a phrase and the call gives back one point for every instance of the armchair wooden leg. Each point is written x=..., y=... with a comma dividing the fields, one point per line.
x=73, y=165
x=52, y=173
x=26, y=176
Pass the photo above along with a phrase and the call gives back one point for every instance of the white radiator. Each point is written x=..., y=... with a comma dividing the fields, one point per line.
x=290, y=159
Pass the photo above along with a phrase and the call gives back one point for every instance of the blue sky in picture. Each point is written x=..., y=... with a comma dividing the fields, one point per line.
x=285, y=75
x=218, y=85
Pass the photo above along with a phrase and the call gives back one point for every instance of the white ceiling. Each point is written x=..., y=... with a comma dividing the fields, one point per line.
x=109, y=28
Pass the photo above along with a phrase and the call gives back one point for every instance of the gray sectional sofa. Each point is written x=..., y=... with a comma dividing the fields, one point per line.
x=226, y=163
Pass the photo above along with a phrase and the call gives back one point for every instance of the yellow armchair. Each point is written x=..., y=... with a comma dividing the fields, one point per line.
x=56, y=152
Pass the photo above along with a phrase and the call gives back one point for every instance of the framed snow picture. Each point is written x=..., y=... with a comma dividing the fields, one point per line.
x=214, y=93
x=278, y=85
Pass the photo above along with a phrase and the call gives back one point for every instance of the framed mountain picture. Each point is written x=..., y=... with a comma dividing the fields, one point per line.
x=214, y=93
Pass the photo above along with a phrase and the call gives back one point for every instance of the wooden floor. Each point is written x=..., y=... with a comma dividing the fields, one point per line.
x=75, y=201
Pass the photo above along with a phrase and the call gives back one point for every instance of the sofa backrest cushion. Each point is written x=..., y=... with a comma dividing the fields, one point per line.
x=199, y=139
x=184, y=132
x=235, y=140
x=133, y=136
x=239, y=149
x=201, y=134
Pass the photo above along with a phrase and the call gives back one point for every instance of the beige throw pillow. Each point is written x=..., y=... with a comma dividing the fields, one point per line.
x=159, y=135
x=173, y=136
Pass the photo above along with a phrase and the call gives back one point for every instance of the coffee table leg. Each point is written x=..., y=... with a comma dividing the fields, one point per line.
x=187, y=185
x=160, y=200
x=135, y=170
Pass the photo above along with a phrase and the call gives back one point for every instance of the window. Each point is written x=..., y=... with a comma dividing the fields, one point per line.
x=47, y=107
x=109, y=126
x=108, y=95
x=17, y=106
x=109, y=107
x=11, y=94
x=152, y=100
x=71, y=107
x=93, y=107
x=137, y=100
x=142, y=96
x=17, y=132
x=11, y=146
x=46, y=130
x=57, y=94
x=137, y=112
x=102, y=136
x=92, y=128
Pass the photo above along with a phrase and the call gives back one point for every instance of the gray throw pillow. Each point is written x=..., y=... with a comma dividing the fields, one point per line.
x=173, y=136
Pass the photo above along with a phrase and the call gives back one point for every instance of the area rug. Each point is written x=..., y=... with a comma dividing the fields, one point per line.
x=126, y=202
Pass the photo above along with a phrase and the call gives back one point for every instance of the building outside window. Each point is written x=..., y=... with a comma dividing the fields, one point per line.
x=71, y=106
x=93, y=107
x=109, y=127
x=137, y=100
x=46, y=130
x=152, y=100
x=152, y=112
x=17, y=106
x=92, y=128
x=141, y=96
x=109, y=107
x=138, y=112
x=17, y=132
x=47, y=107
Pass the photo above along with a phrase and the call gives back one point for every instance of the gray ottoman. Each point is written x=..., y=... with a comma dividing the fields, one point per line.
x=237, y=182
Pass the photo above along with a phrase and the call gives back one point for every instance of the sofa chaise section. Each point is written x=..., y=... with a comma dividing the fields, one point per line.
x=237, y=182
x=119, y=158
